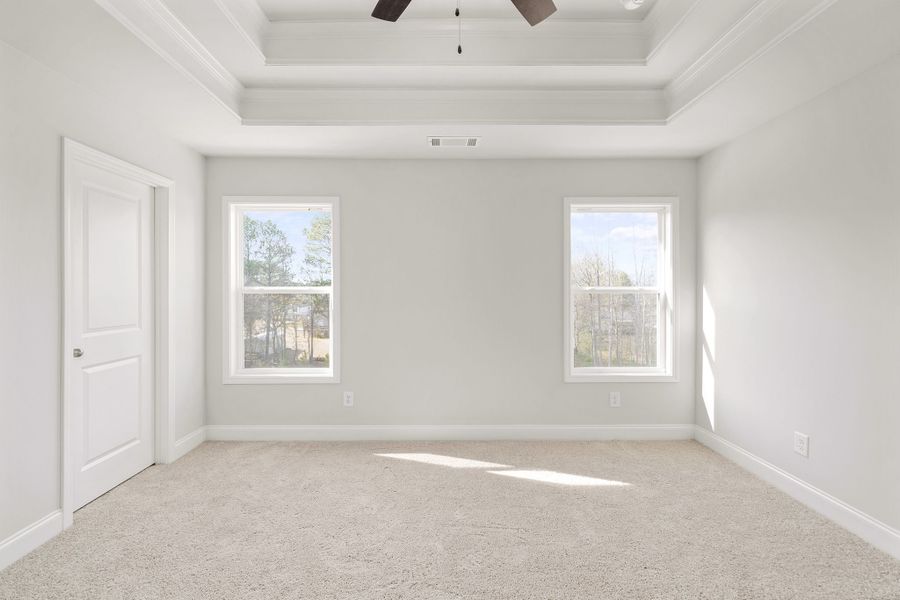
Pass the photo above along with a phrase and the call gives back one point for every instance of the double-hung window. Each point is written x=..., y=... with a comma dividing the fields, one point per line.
x=281, y=279
x=619, y=282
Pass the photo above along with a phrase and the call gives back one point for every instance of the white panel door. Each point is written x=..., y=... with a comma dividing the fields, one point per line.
x=110, y=321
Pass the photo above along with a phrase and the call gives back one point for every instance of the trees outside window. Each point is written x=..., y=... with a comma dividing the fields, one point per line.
x=619, y=276
x=285, y=263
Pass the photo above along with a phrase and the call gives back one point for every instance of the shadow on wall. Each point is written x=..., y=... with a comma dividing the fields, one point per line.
x=708, y=360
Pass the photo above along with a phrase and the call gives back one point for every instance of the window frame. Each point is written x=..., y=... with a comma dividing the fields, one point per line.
x=234, y=371
x=667, y=277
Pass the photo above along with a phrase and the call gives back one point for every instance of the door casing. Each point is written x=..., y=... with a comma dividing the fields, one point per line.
x=164, y=222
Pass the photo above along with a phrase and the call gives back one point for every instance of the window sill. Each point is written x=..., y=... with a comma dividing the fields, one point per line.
x=285, y=379
x=620, y=378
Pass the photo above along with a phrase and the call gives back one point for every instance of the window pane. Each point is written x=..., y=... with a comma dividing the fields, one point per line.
x=616, y=330
x=618, y=249
x=287, y=247
x=287, y=331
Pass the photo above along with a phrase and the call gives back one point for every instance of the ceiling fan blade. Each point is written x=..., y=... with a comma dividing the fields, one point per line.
x=535, y=11
x=390, y=10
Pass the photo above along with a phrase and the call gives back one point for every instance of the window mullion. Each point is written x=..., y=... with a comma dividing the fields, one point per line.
x=617, y=290
x=287, y=290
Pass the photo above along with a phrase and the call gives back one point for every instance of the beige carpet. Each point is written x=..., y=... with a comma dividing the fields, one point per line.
x=660, y=520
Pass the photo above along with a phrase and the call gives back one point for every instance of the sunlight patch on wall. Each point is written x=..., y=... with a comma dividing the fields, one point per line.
x=708, y=358
x=445, y=461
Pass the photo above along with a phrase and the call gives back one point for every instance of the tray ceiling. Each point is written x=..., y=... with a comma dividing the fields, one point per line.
x=293, y=77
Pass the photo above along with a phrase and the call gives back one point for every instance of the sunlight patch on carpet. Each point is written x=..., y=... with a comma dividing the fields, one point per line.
x=445, y=461
x=562, y=478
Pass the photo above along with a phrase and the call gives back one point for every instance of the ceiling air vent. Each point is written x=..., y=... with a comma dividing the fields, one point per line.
x=457, y=141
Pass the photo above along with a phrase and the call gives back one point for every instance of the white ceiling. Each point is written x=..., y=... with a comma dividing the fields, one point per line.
x=313, y=78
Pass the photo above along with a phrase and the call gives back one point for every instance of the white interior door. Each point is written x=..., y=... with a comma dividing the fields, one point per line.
x=110, y=318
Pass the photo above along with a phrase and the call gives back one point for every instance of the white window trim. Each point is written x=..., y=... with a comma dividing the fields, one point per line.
x=668, y=333
x=233, y=342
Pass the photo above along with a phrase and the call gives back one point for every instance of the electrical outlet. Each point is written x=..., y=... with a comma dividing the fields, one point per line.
x=801, y=444
x=615, y=399
x=348, y=399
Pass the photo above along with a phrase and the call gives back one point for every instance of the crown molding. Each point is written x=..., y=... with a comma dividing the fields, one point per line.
x=507, y=42
x=248, y=20
x=742, y=28
x=420, y=106
x=152, y=22
x=663, y=21
x=760, y=30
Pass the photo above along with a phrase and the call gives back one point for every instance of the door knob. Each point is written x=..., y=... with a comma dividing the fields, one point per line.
x=77, y=353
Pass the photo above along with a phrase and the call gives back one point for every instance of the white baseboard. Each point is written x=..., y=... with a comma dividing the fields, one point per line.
x=880, y=535
x=314, y=433
x=30, y=538
x=188, y=443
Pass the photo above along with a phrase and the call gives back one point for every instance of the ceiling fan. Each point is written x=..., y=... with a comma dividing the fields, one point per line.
x=534, y=11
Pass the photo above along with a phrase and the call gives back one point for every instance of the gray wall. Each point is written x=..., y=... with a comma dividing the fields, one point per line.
x=799, y=247
x=37, y=106
x=452, y=293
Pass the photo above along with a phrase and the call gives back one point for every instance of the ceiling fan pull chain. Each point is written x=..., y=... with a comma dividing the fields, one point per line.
x=459, y=29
